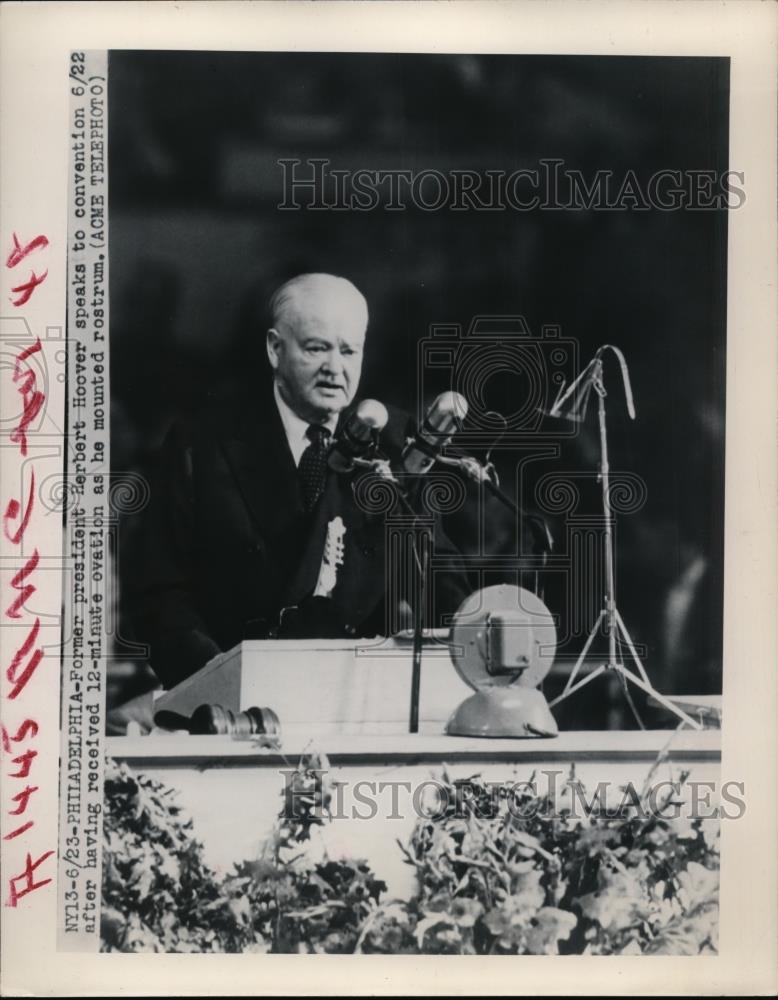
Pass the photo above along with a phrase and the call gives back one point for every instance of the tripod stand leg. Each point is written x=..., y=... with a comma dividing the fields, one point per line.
x=630, y=643
x=665, y=702
x=581, y=657
x=577, y=687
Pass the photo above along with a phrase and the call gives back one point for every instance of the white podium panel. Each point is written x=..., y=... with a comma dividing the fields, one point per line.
x=233, y=789
x=332, y=685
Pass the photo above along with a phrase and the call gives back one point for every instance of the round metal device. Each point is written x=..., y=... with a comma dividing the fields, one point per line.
x=502, y=636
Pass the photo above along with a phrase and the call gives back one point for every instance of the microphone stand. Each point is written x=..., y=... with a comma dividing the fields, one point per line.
x=484, y=475
x=418, y=633
x=421, y=556
x=592, y=378
x=381, y=467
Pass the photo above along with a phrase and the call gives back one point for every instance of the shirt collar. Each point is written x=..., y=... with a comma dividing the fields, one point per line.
x=295, y=428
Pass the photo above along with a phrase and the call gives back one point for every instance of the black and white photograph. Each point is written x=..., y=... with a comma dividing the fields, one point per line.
x=396, y=470
x=420, y=361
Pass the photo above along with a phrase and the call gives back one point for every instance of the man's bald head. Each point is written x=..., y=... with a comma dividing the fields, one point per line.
x=314, y=297
x=316, y=342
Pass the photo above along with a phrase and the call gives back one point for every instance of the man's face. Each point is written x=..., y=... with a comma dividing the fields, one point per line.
x=317, y=361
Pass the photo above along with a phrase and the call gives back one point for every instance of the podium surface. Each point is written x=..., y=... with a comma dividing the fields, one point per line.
x=340, y=686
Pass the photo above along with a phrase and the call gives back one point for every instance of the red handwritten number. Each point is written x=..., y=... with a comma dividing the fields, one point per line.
x=20, y=683
x=32, y=398
x=16, y=256
x=23, y=797
x=28, y=726
x=19, y=252
x=12, y=512
x=32, y=349
x=25, y=759
x=25, y=591
x=19, y=830
x=17, y=516
x=27, y=875
x=25, y=291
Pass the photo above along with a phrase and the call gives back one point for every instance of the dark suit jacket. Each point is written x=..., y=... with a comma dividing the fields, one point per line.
x=226, y=543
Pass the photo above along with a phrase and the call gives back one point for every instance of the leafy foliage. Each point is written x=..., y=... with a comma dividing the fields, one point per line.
x=529, y=874
x=158, y=895
x=524, y=874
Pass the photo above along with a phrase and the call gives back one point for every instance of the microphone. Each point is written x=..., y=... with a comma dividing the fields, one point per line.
x=440, y=425
x=357, y=435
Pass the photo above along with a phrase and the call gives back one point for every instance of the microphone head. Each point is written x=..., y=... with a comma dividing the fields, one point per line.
x=440, y=424
x=447, y=411
x=444, y=416
x=457, y=403
x=357, y=435
x=373, y=414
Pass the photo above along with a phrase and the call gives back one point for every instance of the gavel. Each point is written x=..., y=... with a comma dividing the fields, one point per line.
x=213, y=720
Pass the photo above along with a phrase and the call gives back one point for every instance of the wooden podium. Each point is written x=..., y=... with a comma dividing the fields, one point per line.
x=336, y=686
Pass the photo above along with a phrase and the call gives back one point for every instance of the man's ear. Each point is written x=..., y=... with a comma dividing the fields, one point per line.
x=273, y=346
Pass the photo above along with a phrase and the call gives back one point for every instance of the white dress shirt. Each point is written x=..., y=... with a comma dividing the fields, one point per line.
x=295, y=428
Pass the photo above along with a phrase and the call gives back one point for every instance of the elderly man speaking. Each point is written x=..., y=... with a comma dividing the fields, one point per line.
x=236, y=530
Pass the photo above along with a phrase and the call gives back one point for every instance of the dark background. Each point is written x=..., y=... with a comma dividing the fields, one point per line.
x=197, y=245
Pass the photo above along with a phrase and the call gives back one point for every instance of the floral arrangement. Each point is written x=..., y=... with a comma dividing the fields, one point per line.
x=497, y=877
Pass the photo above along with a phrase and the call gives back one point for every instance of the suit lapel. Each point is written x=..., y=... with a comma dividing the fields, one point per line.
x=259, y=457
x=257, y=452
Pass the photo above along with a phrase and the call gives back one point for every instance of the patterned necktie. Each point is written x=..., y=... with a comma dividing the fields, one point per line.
x=313, y=465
